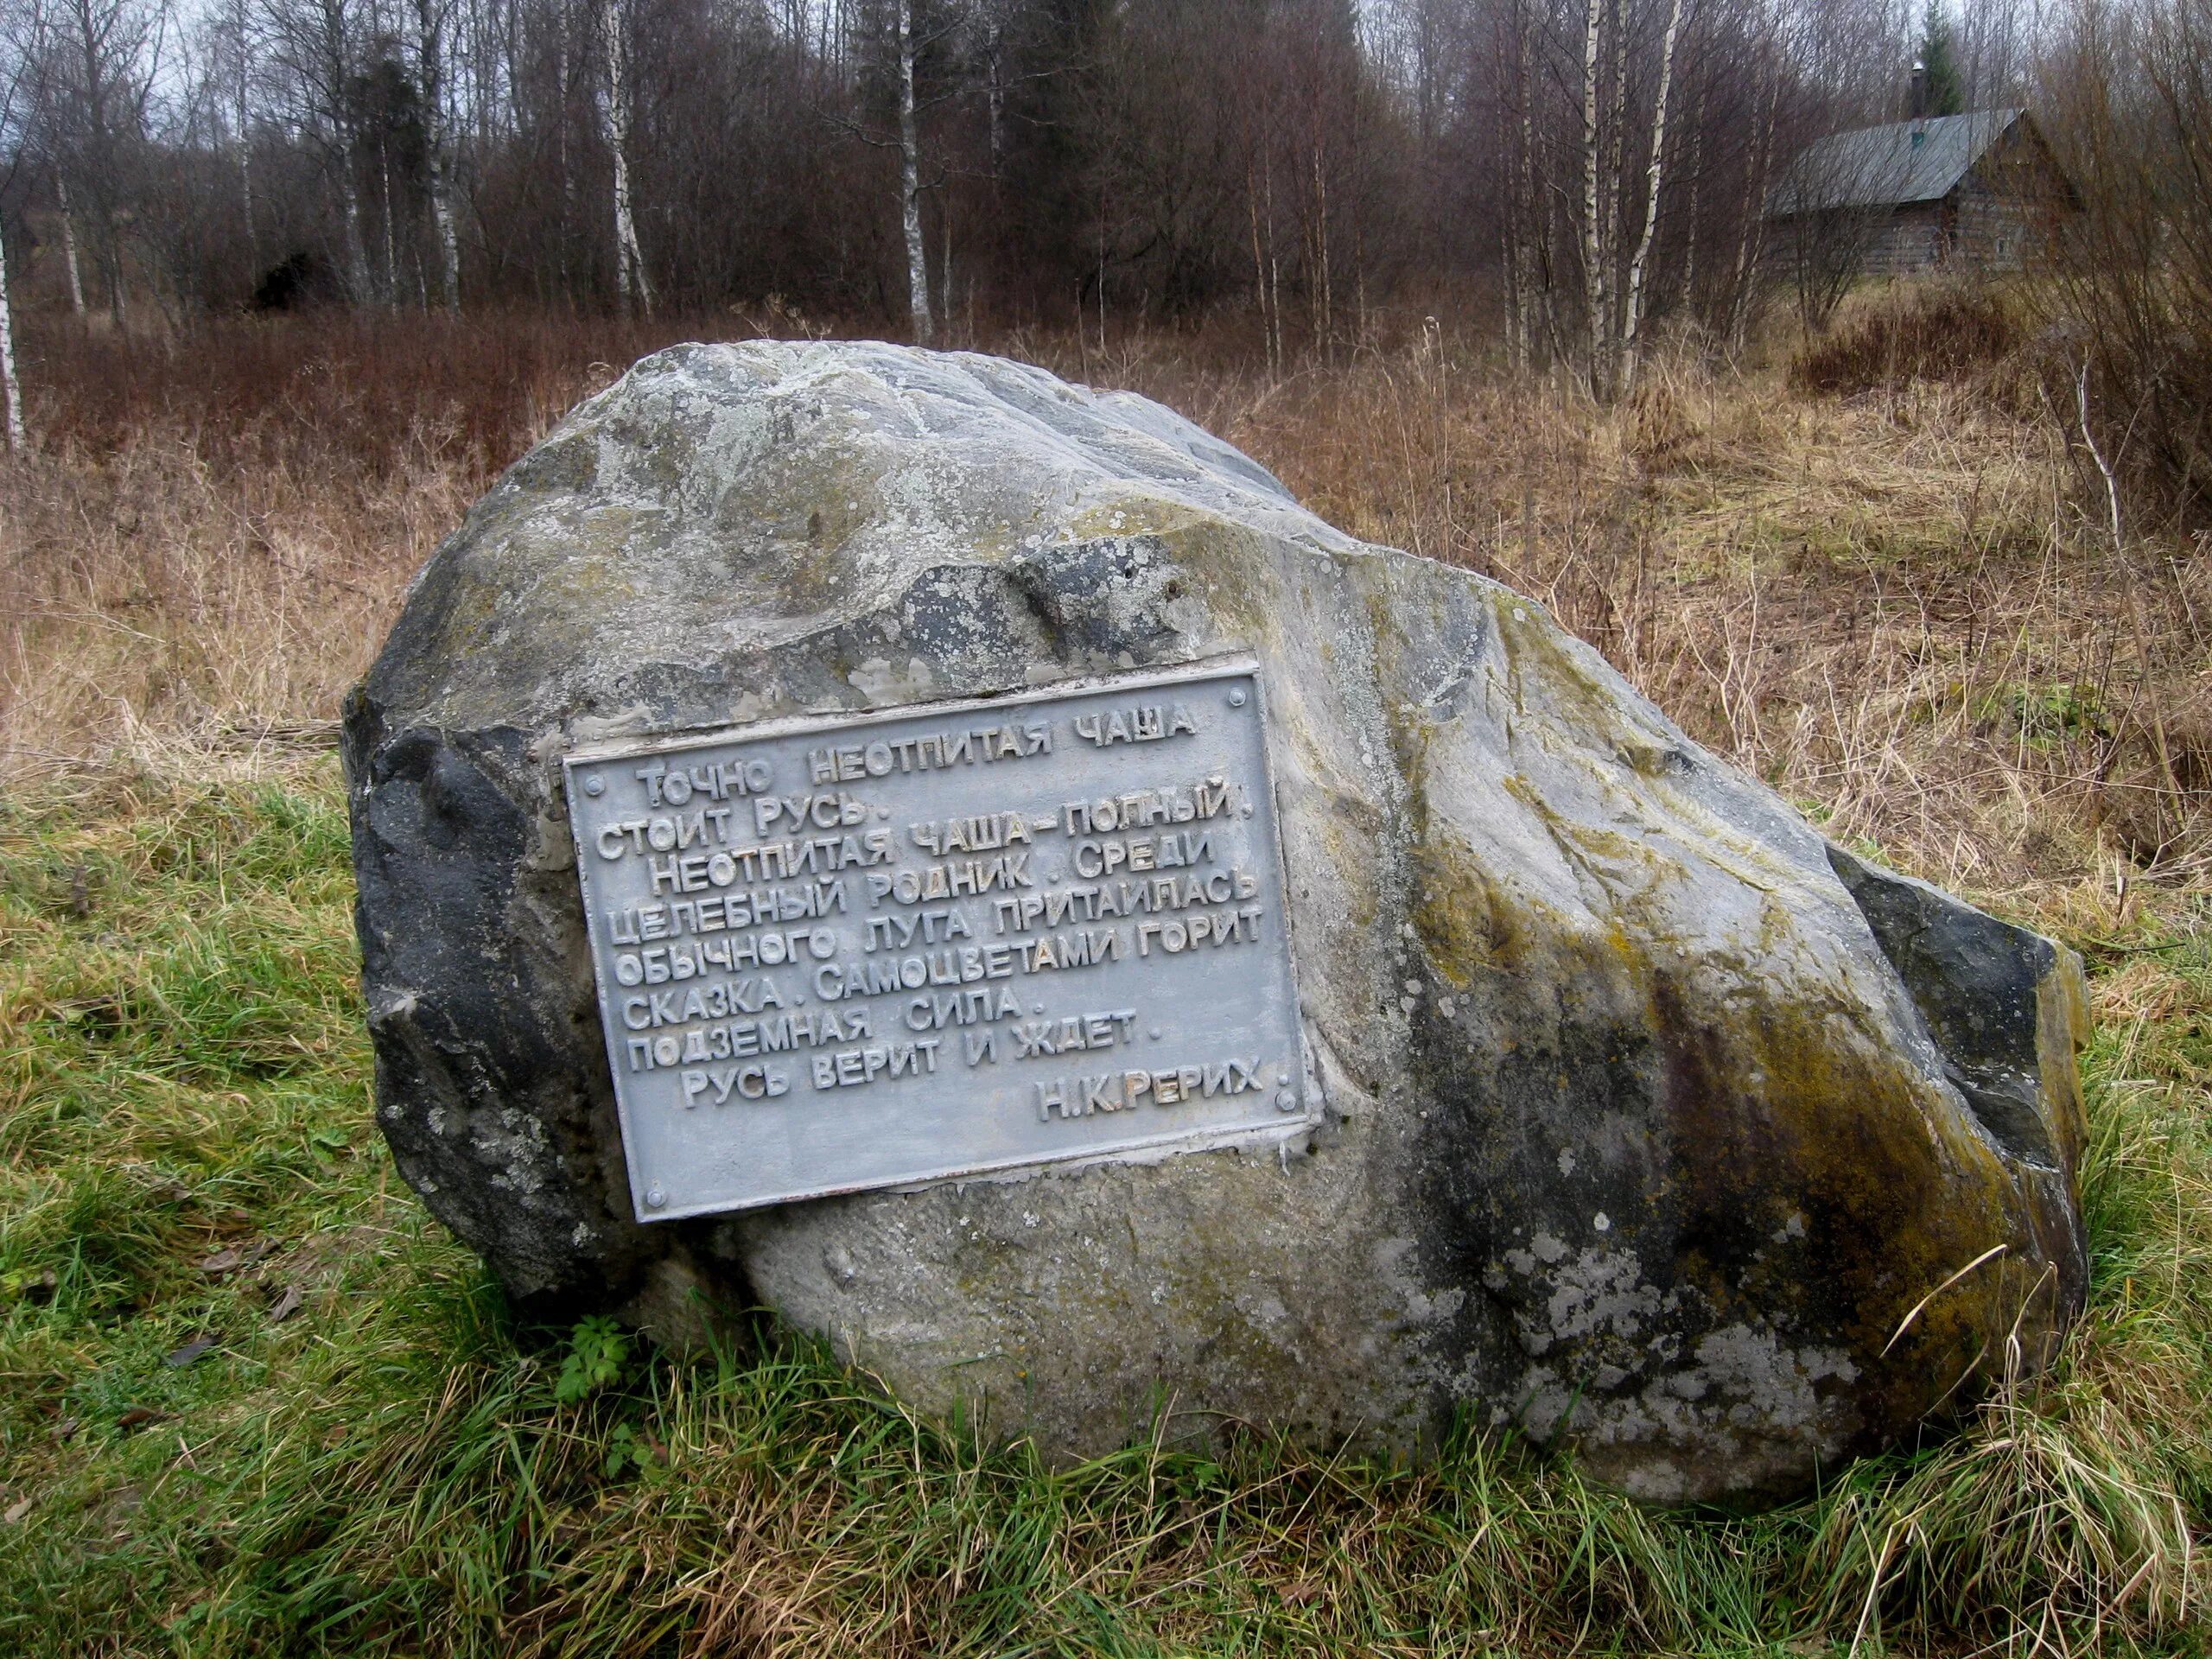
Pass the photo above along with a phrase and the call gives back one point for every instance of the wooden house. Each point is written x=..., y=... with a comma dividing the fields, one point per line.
x=1955, y=192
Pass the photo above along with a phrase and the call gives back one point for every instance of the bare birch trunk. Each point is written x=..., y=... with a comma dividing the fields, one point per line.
x=910, y=186
x=1328, y=296
x=69, y=244
x=1612, y=169
x=563, y=251
x=1529, y=224
x=357, y=248
x=629, y=278
x=1693, y=210
x=245, y=170
x=1593, y=262
x=391, y=252
x=430, y=45
x=997, y=103
x=448, y=236
x=245, y=194
x=1632, y=312
x=1259, y=266
x=18, y=437
x=1274, y=272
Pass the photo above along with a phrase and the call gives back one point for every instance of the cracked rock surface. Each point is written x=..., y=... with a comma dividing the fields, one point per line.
x=1650, y=1115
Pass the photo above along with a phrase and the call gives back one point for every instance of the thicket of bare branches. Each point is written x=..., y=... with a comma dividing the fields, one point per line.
x=1574, y=178
x=2129, y=306
x=1590, y=169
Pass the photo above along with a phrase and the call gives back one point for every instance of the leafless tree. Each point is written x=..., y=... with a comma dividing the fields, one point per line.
x=22, y=34
x=631, y=281
x=316, y=50
x=433, y=45
x=2127, y=103
x=92, y=79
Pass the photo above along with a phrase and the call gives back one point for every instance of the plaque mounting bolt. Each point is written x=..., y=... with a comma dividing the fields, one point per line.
x=1236, y=699
x=1155, y=1033
x=655, y=1197
x=594, y=786
x=1286, y=1101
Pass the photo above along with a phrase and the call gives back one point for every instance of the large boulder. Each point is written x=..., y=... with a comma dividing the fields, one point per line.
x=1655, y=1125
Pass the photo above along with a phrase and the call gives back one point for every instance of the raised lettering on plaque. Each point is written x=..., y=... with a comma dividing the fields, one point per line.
x=872, y=951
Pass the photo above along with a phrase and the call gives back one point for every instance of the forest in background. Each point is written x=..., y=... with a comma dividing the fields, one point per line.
x=1568, y=179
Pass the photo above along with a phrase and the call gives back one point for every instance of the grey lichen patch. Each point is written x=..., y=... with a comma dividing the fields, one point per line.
x=1648, y=1116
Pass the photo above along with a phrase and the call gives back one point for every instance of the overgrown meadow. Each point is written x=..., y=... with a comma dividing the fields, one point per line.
x=252, y=1401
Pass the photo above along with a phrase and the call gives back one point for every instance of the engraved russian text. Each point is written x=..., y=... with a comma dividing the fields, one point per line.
x=833, y=956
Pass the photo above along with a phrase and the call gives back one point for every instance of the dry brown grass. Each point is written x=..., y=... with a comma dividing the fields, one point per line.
x=214, y=534
x=1891, y=606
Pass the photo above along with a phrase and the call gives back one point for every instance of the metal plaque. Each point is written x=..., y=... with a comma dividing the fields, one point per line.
x=878, y=950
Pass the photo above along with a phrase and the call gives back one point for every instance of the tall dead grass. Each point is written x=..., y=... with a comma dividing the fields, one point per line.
x=213, y=532
x=1892, y=605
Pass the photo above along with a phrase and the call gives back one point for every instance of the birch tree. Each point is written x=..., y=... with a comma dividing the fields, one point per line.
x=630, y=279
x=10, y=385
x=25, y=33
x=315, y=49
x=902, y=42
x=74, y=270
x=1597, y=263
x=1632, y=312
x=96, y=73
x=433, y=43
x=910, y=184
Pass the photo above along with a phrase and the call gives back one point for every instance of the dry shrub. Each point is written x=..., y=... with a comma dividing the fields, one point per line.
x=1912, y=333
x=347, y=394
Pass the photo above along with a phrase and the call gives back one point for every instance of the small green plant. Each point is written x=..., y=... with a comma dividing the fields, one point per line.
x=628, y=1450
x=2042, y=714
x=598, y=1354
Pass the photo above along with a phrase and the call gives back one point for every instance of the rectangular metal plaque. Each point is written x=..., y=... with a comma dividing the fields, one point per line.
x=872, y=951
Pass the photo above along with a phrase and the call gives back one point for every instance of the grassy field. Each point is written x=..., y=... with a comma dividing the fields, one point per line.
x=253, y=1402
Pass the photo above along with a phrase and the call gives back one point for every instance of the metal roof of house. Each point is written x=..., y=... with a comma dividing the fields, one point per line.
x=1889, y=166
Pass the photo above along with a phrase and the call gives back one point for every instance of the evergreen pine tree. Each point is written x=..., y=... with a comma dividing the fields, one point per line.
x=1942, y=91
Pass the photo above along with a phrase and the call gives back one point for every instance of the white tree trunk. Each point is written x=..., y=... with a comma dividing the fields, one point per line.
x=1632, y=312
x=246, y=194
x=997, y=102
x=390, y=250
x=430, y=48
x=18, y=438
x=1594, y=286
x=448, y=236
x=629, y=256
x=69, y=244
x=910, y=182
x=357, y=248
x=246, y=163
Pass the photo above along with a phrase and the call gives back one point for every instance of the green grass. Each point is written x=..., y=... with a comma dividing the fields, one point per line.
x=371, y=1459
